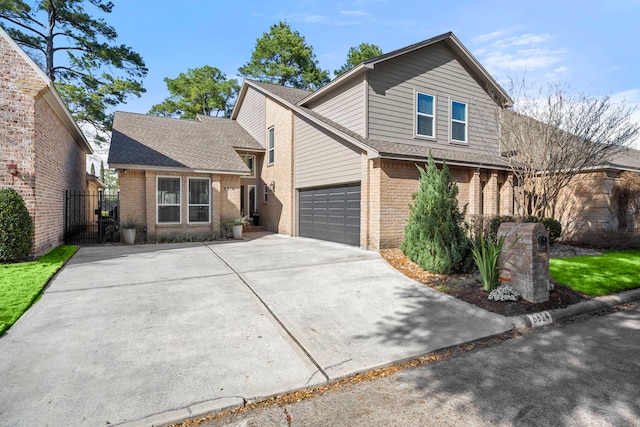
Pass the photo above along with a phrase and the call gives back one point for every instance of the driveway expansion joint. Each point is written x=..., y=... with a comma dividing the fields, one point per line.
x=275, y=317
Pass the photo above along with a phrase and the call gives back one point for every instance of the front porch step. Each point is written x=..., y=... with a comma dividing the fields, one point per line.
x=253, y=228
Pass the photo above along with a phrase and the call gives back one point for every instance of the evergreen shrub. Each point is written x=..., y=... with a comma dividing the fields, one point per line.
x=16, y=226
x=434, y=237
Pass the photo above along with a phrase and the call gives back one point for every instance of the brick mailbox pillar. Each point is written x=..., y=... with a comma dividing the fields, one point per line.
x=525, y=264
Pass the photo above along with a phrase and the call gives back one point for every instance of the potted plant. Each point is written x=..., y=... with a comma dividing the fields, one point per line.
x=256, y=218
x=237, y=225
x=129, y=231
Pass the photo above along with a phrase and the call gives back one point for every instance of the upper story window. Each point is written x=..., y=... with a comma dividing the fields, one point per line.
x=425, y=115
x=458, y=121
x=199, y=199
x=168, y=200
x=271, y=150
x=249, y=161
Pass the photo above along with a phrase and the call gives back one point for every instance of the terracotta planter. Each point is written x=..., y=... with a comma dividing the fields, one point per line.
x=129, y=235
x=237, y=232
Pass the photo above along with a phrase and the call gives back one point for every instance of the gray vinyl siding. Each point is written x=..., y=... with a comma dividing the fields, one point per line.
x=345, y=106
x=321, y=160
x=434, y=70
x=252, y=114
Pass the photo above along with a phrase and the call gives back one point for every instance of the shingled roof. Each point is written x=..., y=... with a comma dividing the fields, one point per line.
x=207, y=144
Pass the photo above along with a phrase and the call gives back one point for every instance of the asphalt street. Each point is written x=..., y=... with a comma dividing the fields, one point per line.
x=583, y=373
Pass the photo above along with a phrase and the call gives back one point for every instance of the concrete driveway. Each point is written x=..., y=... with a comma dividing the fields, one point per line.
x=147, y=334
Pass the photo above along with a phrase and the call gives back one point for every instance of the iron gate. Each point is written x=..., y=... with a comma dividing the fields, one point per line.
x=91, y=217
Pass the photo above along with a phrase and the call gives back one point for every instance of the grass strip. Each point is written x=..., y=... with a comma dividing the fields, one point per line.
x=22, y=283
x=598, y=275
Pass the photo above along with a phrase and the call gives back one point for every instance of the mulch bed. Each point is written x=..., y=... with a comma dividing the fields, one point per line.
x=467, y=287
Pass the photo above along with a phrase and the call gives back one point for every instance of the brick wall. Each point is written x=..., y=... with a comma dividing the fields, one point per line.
x=59, y=166
x=138, y=190
x=391, y=189
x=585, y=205
x=33, y=137
x=278, y=213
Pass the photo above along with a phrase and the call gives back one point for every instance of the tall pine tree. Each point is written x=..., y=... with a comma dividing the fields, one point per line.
x=434, y=237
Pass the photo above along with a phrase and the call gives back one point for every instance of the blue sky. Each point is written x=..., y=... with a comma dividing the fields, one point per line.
x=594, y=45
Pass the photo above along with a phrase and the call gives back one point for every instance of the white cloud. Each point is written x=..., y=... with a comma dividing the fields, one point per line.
x=354, y=12
x=484, y=38
x=314, y=18
x=502, y=52
x=615, y=68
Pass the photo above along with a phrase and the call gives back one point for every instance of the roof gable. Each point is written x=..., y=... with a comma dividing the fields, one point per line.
x=49, y=93
x=492, y=86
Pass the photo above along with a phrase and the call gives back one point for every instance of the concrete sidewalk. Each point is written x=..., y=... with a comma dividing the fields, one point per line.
x=147, y=334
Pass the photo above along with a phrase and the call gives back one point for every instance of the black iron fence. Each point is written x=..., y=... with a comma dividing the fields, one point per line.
x=91, y=217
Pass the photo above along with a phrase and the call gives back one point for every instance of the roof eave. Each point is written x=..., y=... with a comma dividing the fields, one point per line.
x=124, y=166
x=420, y=159
x=52, y=97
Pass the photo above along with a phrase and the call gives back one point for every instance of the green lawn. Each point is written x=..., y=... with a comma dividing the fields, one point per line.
x=598, y=275
x=21, y=283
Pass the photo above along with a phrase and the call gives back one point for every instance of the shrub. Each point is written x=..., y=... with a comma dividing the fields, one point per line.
x=16, y=226
x=434, y=237
x=494, y=225
x=554, y=229
x=504, y=293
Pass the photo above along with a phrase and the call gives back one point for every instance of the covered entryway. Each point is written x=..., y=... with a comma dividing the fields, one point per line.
x=330, y=213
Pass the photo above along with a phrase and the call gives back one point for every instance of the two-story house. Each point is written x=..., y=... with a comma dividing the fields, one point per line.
x=337, y=164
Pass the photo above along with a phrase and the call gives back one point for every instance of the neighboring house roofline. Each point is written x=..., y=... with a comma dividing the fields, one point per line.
x=95, y=179
x=371, y=153
x=181, y=170
x=50, y=94
x=449, y=38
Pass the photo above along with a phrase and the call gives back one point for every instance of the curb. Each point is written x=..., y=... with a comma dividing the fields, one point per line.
x=561, y=314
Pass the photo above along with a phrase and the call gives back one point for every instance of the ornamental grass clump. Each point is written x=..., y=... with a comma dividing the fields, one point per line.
x=486, y=253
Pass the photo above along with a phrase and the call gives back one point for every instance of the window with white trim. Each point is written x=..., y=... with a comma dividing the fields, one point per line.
x=249, y=161
x=271, y=149
x=458, y=121
x=168, y=200
x=199, y=200
x=425, y=115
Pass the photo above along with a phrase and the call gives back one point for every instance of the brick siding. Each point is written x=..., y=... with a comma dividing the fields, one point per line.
x=33, y=137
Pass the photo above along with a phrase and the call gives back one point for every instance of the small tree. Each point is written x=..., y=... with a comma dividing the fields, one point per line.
x=16, y=226
x=434, y=237
x=552, y=135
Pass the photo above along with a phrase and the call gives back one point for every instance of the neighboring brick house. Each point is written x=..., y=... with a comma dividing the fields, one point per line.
x=41, y=142
x=336, y=164
x=591, y=204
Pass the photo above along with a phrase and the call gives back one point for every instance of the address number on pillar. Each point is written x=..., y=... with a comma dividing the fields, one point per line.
x=540, y=319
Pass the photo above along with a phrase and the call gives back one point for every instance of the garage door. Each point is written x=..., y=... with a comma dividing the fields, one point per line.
x=331, y=213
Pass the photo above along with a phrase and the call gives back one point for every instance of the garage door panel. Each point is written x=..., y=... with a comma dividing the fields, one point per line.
x=331, y=214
